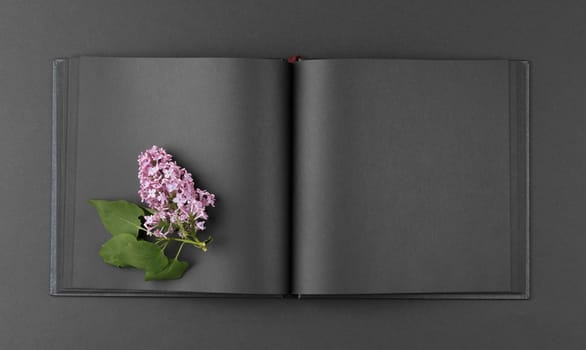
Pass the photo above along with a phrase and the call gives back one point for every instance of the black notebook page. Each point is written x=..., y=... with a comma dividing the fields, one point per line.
x=402, y=177
x=225, y=120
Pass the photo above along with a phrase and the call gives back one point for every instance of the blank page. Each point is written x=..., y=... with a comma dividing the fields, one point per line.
x=402, y=181
x=224, y=120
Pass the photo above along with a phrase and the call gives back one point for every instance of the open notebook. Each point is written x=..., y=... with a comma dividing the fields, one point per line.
x=334, y=177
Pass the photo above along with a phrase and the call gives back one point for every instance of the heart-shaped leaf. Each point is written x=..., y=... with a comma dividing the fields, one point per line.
x=124, y=250
x=119, y=216
x=174, y=270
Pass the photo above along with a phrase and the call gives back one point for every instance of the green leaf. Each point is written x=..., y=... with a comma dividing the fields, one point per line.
x=148, y=211
x=119, y=216
x=173, y=271
x=124, y=250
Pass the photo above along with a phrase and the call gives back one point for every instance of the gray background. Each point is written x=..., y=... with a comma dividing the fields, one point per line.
x=550, y=34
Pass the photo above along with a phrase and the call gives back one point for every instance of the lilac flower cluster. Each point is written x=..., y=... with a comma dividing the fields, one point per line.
x=169, y=190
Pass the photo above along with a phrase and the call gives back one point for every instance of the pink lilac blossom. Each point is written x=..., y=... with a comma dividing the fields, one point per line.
x=169, y=190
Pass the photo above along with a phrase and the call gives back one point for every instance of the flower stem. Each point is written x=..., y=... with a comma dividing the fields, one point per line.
x=190, y=239
x=179, y=251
